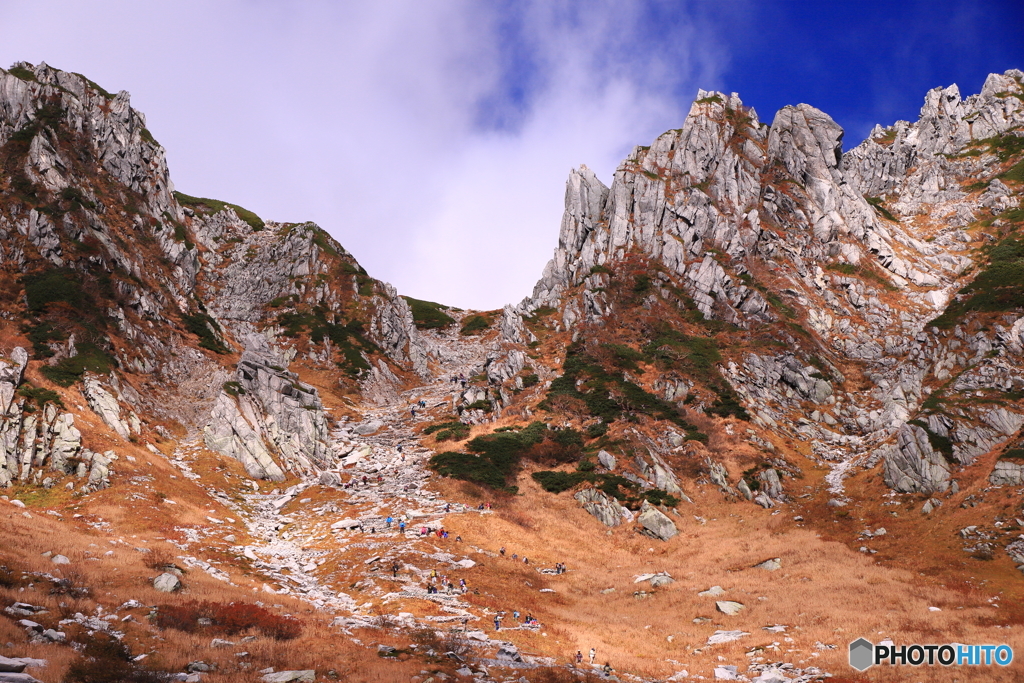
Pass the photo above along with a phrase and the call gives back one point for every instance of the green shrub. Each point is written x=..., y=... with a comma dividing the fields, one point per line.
x=448, y=431
x=41, y=396
x=207, y=329
x=880, y=207
x=1013, y=454
x=212, y=206
x=530, y=380
x=1015, y=173
x=40, y=334
x=596, y=431
x=557, y=482
x=22, y=73
x=90, y=358
x=998, y=287
x=347, y=338
x=475, y=324
x=494, y=458
x=53, y=286
x=427, y=315
x=482, y=404
x=710, y=99
x=234, y=389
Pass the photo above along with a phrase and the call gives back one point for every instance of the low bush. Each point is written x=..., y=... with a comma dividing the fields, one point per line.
x=52, y=286
x=475, y=324
x=427, y=315
x=212, y=206
x=41, y=396
x=105, y=659
x=448, y=431
x=556, y=482
x=90, y=358
x=208, y=331
x=226, y=618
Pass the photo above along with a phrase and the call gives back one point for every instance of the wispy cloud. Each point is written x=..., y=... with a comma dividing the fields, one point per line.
x=432, y=139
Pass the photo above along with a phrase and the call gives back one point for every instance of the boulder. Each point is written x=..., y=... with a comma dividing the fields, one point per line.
x=167, y=583
x=1007, y=473
x=712, y=592
x=606, y=459
x=330, y=479
x=726, y=637
x=509, y=652
x=304, y=676
x=15, y=666
x=656, y=523
x=725, y=672
x=60, y=559
x=17, y=678
x=368, y=427
x=772, y=675
x=771, y=565
x=729, y=607
x=661, y=580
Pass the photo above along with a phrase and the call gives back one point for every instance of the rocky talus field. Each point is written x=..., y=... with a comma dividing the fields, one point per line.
x=764, y=400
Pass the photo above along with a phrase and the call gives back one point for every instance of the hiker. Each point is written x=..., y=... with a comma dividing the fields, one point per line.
x=394, y=570
x=593, y=655
x=579, y=657
x=458, y=539
x=515, y=556
x=423, y=404
x=497, y=622
x=502, y=551
x=413, y=411
x=515, y=614
x=526, y=560
x=389, y=520
x=447, y=507
x=462, y=585
x=401, y=527
x=607, y=669
x=433, y=574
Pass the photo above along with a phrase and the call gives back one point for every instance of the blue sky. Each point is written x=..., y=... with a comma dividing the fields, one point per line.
x=433, y=139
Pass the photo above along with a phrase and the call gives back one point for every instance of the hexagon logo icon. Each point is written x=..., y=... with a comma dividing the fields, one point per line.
x=862, y=654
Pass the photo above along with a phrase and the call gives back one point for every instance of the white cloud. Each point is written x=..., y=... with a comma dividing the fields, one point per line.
x=371, y=118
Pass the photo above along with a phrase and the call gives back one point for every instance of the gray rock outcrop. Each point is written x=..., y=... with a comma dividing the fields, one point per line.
x=167, y=583
x=656, y=523
x=605, y=508
x=911, y=465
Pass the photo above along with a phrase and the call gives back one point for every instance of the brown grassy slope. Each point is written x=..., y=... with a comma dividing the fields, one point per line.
x=824, y=592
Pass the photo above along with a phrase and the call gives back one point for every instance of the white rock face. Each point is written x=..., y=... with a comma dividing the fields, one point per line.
x=722, y=198
x=104, y=404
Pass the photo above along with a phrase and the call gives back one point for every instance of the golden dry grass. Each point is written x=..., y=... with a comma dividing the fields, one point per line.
x=825, y=592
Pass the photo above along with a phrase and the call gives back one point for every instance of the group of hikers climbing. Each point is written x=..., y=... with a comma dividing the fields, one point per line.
x=528, y=620
x=607, y=668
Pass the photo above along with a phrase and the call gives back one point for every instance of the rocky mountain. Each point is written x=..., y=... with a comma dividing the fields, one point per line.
x=748, y=320
x=868, y=298
x=170, y=313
